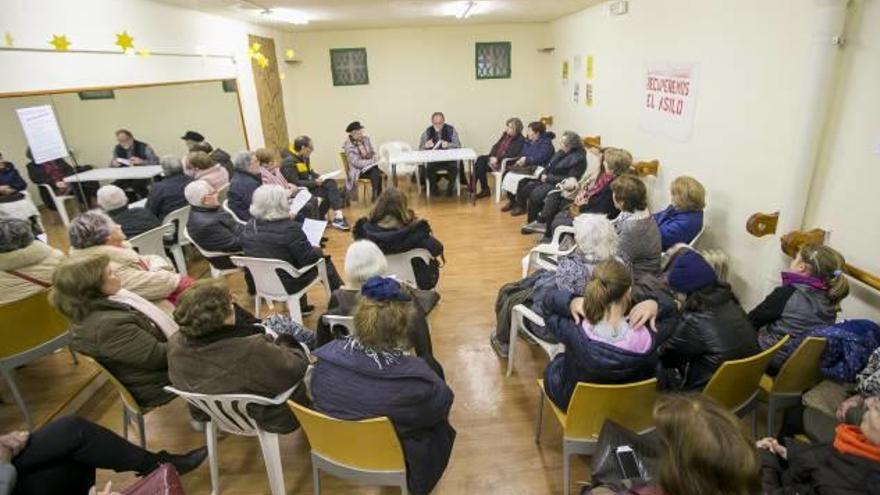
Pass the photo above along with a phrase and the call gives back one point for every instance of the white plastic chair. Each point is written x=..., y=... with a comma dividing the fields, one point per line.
x=152, y=241
x=498, y=175
x=546, y=255
x=400, y=265
x=229, y=210
x=228, y=412
x=178, y=219
x=332, y=321
x=59, y=202
x=208, y=255
x=391, y=148
x=518, y=315
x=428, y=182
x=269, y=286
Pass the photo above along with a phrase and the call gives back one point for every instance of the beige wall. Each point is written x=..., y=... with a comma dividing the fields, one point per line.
x=413, y=72
x=157, y=115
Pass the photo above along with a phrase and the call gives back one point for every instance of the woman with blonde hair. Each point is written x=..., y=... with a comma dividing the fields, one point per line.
x=682, y=220
x=200, y=165
x=371, y=373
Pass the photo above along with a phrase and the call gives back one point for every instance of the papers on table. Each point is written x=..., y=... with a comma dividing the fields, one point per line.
x=125, y=162
x=300, y=200
x=314, y=230
x=329, y=175
x=138, y=204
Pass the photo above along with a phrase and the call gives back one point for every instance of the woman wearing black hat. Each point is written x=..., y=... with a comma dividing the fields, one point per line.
x=362, y=159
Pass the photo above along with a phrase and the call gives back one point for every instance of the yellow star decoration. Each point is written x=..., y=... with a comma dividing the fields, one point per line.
x=262, y=61
x=144, y=52
x=9, y=39
x=289, y=53
x=61, y=43
x=124, y=41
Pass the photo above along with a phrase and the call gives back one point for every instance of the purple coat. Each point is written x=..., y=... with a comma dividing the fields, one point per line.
x=349, y=384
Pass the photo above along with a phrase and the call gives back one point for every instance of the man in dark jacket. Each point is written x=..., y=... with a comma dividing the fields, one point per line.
x=134, y=221
x=296, y=167
x=440, y=136
x=245, y=180
x=167, y=194
x=129, y=152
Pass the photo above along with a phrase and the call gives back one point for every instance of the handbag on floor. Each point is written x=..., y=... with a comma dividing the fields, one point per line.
x=605, y=469
x=164, y=480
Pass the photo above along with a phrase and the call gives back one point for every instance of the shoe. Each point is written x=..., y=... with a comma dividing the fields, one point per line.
x=307, y=309
x=507, y=207
x=483, y=194
x=184, y=463
x=517, y=211
x=340, y=224
x=534, y=228
x=499, y=347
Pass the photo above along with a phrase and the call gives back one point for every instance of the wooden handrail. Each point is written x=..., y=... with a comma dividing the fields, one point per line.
x=646, y=168
x=761, y=224
x=793, y=241
x=592, y=142
x=547, y=120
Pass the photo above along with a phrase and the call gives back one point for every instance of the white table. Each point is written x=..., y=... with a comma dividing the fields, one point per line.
x=116, y=173
x=423, y=157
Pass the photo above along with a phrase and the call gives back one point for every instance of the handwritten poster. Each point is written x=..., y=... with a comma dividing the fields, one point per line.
x=589, y=67
x=42, y=133
x=588, y=94
x=669, y=99
x=565, y=71
x=576, y=92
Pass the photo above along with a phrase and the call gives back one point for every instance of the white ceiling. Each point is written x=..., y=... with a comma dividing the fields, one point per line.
x=358, y=14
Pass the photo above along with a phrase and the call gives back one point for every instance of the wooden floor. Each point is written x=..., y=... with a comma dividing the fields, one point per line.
x=494, y=452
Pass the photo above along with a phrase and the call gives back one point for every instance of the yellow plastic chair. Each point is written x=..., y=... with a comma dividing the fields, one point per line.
x=630, y=405
x=132, y=412
x=367, y=451
x=365, y=184
x=735, y=383
x=32, y=328
x=799, y=373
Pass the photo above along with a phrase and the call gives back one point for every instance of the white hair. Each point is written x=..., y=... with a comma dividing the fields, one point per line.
x=111, y=197
x=270, y=203
x=595, y=236
x=363, y=260
x=196, y=190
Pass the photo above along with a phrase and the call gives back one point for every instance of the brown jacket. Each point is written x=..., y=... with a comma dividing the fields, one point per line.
x=235, y=360
x=37, y=261
x=129, y=345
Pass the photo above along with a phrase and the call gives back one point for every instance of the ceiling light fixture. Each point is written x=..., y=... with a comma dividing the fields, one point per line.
x=290, y=16
x=467, y=10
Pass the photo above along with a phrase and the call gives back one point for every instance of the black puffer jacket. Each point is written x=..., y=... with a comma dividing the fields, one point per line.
x=213, y=229
x=818, y=469
x=706, y=337
x=284, y=240
x=566, y=164
x=134, y=221
x=416, y=235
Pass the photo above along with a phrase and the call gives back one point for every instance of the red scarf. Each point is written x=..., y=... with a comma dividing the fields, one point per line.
x=849, y=439
x=602, y=182
x=501, y=151
x=53, y=169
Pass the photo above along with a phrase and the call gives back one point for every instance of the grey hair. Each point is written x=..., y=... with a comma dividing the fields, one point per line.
x=595, y=236
x=92, y=228
x=111, y=197
x=270, y=203
x=363, y=260
x=572, y=140
x=171, y=165
x=242, y=160
x=15, y=234
x=195, y=192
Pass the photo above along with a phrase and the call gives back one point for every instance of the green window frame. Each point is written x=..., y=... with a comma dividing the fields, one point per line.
x=349, y=66
x=484, y=52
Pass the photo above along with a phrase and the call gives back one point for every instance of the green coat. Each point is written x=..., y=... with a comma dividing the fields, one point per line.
x=130, y=346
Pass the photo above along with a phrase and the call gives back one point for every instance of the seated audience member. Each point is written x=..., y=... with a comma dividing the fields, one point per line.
x=62, y=456
x=595, y=241
x=26, y=265
x=607, y=346
x=537, y=150
x=134, y=221
x=570, y=161
x=11, y=183
x=52, y=173
x=196, y=142
x=362, y=160
x=594, y=194
x=166, y=195
x=130, y=152
x=201, y=166
x=123, y=332
x=271, y=233
x=639, y=236
x=848, y=464
x=209, y=226
x=394, y=227
x=215, y=332
x=712, y=328
x=440, y=136
x=508, y=146
x=364, y=260
x=245, y=180
x=14, y=200
x=270, y=169
x=808, y=299
x=370, y=374
x=682, y=220
x=300, y=173
x=151, y=277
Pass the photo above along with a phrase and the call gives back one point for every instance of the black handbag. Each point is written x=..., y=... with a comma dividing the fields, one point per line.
x=604, y=466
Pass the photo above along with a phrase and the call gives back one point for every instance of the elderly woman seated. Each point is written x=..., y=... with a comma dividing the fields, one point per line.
x=639, y=236
x=682, y=220
x=364, y=260
x=167, y=194
x=215, y=332
x=271, y=233
x=134, y=221
x=371, y=374
x=122, y=331
x=14, y=200
x=150, y=277
x=26, y=265
x=202, y=167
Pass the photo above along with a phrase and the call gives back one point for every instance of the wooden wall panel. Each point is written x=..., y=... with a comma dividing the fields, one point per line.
x=269, y=95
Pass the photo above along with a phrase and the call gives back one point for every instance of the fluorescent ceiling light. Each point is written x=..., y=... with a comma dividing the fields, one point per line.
x=468, y=10
x=290, y=16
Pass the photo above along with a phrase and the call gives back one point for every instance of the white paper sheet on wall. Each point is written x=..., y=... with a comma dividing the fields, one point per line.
x=42, y=133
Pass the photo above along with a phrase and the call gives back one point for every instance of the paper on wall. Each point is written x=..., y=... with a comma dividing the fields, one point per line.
x=669, y=99
x=42, y=133
x=298, y=201
x=314, y=230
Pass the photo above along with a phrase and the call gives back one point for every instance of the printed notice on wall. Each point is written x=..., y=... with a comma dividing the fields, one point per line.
x=42, y=133
x=669, y=99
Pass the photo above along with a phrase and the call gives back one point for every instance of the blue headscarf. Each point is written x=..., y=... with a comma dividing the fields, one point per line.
x=383, y=289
